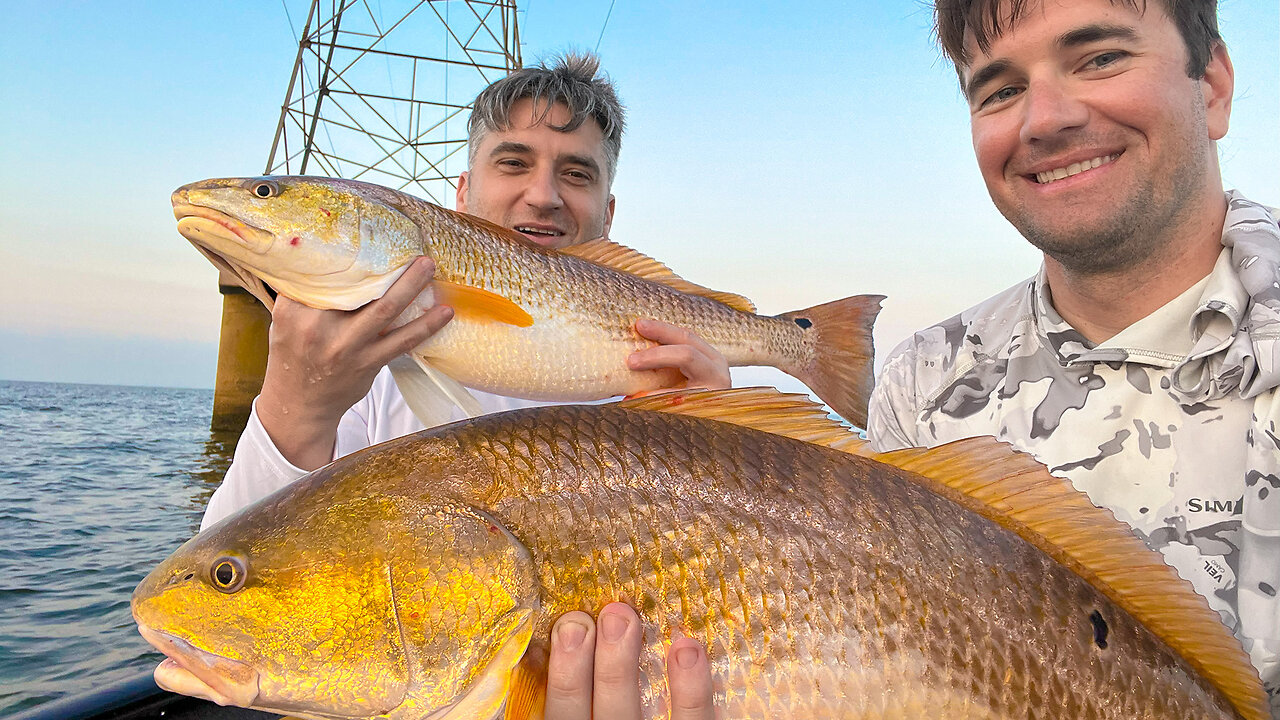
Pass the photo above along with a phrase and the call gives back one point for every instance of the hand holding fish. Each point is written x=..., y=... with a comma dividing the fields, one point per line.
x=701, y=365
x=596, y=674
x=322, y=361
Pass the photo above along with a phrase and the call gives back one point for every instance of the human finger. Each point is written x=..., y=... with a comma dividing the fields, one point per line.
x=666, y=333
x=697, y=369
x=701, y=365
x=689, y=679
x=616, y=691
x=401, y=340
x=375, y=316
x=570, y=667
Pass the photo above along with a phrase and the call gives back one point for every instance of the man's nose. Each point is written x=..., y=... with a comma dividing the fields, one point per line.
x=1050, y=108
x=543, y=190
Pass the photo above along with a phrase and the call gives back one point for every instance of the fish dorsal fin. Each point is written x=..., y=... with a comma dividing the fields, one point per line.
x=603, y=251
x=760, y=408
x=527, y=691
x=1012, y=489
x=1015, y=491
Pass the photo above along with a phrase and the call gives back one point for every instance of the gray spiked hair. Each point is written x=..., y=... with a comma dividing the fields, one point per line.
x=573, y=82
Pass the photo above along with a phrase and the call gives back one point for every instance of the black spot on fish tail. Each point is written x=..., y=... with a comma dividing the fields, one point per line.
x=805, y=323
x=1099, y=629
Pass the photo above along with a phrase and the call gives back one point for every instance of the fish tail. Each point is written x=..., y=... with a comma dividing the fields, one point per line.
x=839, y=370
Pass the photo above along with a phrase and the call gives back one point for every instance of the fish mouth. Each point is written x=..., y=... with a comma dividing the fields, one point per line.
x=208, y=230
x=207, y=226
x=188, y=670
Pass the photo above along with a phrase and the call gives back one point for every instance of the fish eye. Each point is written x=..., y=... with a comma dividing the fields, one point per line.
x=265, y=188
x=227, y=574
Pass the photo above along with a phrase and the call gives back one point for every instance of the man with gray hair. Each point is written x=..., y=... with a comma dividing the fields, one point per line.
x=544, y=145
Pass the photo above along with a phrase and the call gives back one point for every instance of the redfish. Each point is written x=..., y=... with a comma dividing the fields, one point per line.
x=530, y=322
x=419, y=578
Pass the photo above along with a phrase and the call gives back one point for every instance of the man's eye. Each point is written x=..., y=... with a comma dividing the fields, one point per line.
x=1001, y=95
x=578, y=176
x=1107, y=58
x=511, y=163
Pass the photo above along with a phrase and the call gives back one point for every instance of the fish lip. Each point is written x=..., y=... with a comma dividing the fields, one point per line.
x=201, y=219
x=228, y=682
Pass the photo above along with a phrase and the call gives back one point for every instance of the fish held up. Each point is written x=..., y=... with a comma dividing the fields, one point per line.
x=530, y=321
x=419, y=578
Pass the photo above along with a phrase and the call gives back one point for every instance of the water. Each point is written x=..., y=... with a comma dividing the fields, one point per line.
x=98, y=484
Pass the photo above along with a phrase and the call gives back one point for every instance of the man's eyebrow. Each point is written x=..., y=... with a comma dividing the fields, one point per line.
x=510, y=147
x=585, y=161
x=1070, y=39
x=984, y=75
x=519, y=148
x=1094, y=33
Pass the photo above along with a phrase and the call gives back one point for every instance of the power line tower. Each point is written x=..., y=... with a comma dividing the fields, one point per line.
x=385, y=98
x=376, y=94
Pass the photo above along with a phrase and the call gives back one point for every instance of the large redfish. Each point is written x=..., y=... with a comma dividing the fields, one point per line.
x=531, y=322
x=419, y=578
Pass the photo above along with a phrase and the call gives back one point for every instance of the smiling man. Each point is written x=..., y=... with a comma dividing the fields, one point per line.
x=544, y=149
x=546, y=176
x=1142, y=360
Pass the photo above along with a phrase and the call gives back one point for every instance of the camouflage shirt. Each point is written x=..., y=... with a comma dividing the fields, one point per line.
x=1171, y=424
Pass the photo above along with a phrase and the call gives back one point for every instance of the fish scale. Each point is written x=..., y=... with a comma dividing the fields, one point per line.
x=900, y=600
x=824, y=585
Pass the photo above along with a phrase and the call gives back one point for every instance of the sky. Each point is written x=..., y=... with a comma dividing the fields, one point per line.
x=792, y=155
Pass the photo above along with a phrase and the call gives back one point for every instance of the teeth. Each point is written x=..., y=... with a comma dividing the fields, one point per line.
x=535, y=231
x=1049, y=176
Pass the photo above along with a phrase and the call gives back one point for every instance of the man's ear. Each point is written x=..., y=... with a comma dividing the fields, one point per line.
x=1217, y=86
x=608, y=217
x=460, y=201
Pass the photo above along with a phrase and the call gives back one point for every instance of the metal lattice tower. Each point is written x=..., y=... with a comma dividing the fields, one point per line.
x=385, y=97
x=382, y=98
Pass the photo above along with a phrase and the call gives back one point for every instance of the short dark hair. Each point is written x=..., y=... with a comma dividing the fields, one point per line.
x=1197, y=22
x=573, y=82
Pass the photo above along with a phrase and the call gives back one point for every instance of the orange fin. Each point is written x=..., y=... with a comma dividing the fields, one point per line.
x=622, y=258
x=527, y=696
x=1015, y=491
x=760, y=408
x=479, y=304
x=1012, y=489
x=839, y=370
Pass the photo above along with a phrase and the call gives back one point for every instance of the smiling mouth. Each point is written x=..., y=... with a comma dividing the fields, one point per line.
x=538, y=232
x=1049, y=176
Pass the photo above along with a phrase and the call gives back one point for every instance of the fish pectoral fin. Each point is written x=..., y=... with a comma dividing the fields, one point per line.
x=603, y=251
x=429, y=393
x=479, y=304
x=527, y=694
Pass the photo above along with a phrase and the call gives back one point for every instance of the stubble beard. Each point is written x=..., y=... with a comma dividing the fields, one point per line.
x=1101, y=245
x=1129, y=232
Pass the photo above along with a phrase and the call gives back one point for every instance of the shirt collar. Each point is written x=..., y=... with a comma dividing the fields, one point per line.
x=1214, y=333
x=1237, y=330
